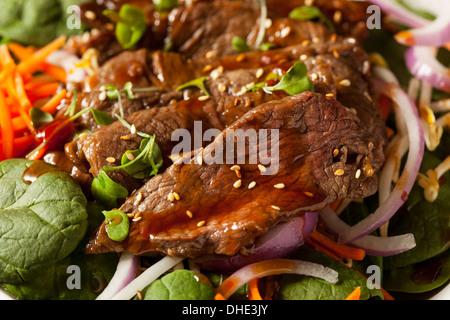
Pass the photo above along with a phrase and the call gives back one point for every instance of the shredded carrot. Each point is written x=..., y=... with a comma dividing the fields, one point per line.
x=51, y=105
x=323, y=250
x=21, y=52
x=219, y=296
x=6, y=128
x=55, y=71
x=44, y=91
x=355, y=294
x=253, y=291
x=337, y=248
x=32, y=63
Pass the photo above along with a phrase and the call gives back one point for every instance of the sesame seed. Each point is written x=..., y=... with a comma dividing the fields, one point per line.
x=176, y=195
x=286, y=32
x=238, y=174
x=329, y=95
x=84, y=135
x=111, y=159
x=358, y=173
x=109, y=26
x=237, y=184
x=138, y=199
x=336, y=53
x=308, y=194
x=207, y=68
x=259, y=72
x=303, y=57
x=276, y=208
x=201, y=223
x=268, y=23
x=203, y=98
x=345, y=83
x=102, y=96
x=235, y=167
x=240, y=57
x=315, y=39
x=279, y=186
x=189, y=214
x=309, y=2
x=248, y=103
x=337, y=17
x=216, y=72
x=125, y=137
x=171, y=197
x=139, y=295
x=252, y=185
x=262, y=168
x=210, y=54
x=137, y=215
x=222, y=87
x=133, y=129
x=137, y=219
x=333, y=37
x=130, y=156
x=306, y=43
x=335, y=152
x=339, y=172
x=90, y=15
x=314, y=76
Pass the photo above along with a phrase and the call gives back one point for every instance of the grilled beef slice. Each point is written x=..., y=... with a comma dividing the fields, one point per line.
x=214, y=215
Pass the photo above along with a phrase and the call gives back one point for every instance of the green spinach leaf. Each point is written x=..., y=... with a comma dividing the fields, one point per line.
x=294, y=81
x=107, y=191
x=179, y=285
x=41, y=222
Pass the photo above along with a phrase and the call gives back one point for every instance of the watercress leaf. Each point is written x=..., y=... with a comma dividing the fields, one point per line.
x=107, y=191
x=199, y=83
x=256, y=87
x=41, y=222
x=239, y=44
x=39, y=117
x=118, y=224
x=294, y=81
x=112, y=92
x=128, y=90
x=179, y=285
x=297, y=287
x=165, y=5
x=101, y=117
x=267, y=46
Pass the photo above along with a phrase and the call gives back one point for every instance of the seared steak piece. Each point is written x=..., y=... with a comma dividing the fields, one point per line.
x=216, y=215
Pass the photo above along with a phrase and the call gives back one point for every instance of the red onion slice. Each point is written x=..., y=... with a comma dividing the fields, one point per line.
x=422, y=63
x=415, y=154
x=424, y=32
x=274, y=267
x=125, y=273
x=68, y=61
x=280, y=241
x=372, y=245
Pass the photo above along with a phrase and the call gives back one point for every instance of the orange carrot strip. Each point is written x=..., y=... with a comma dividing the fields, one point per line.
x=355, y=294
x=21, y=52
x=6, y=60
x=219, y=296
x=6, y=128
x=43, y=91
x=55, y=71
x=20, y=92
x=253, y=291
x=18, y=124
x=32, y=63
x=51, y=105
x=338, y=248
x=38, y=154
x=21, y=145
x=323, y=250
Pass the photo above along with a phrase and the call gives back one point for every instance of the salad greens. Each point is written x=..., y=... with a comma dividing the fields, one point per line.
x=107, y=191
x=36, y=22
x=118, y=224
x=48, y=207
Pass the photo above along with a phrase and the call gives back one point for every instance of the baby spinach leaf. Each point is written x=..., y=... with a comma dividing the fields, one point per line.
x=107, y=191
x=239, y=44
x=180, y=285
x=41, y=222
x=297, y=287
x=37, y=22
x=294, y=81
x=306, y=13
x=118, y=224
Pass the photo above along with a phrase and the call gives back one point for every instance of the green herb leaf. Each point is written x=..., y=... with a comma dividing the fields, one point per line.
x=199, y=83
x=294, y=81
x=118, y=224
x=128, y=90
x=165, y=5
x=130, y=24
x=112, y=92
x=73, y=104
x=101, y=117
x=239, y=44
x=267, y=46
x=143, y=162
x=180, y=285
x=306, y=13
x=107, y=191
x=39, y=117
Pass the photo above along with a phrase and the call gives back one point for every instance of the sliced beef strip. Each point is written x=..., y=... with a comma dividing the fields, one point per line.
x=225, y=218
